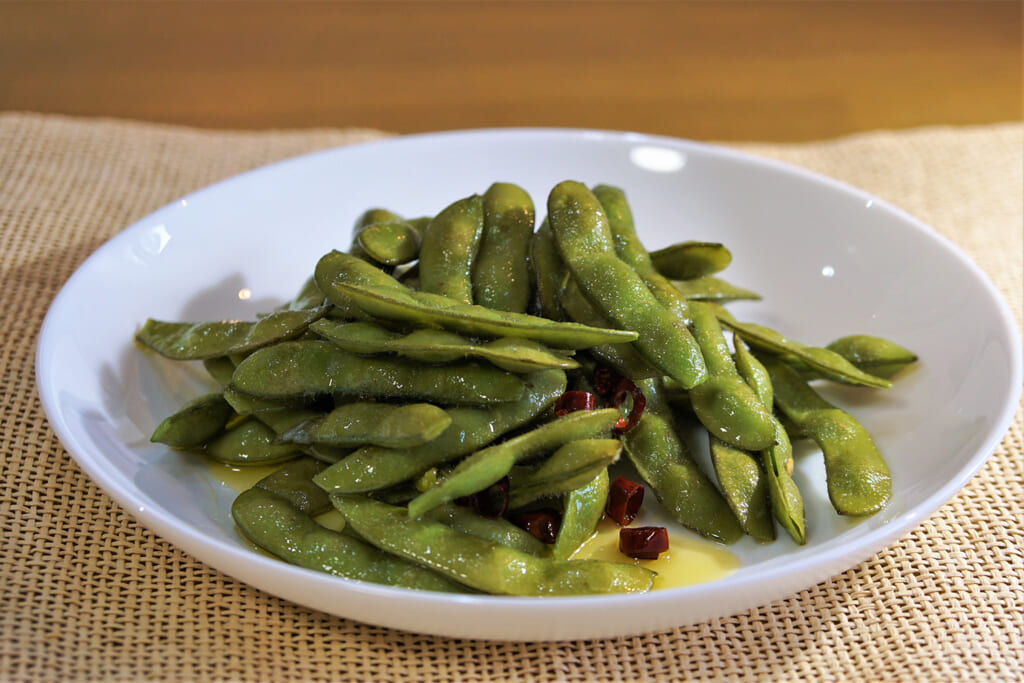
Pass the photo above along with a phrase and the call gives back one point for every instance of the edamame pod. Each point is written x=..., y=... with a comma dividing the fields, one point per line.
x=281, y=416
x=244, y=404
x=786, y=502
x=745, y=489
x=379, y=424
x=488, y=466
x=549, y=273
x=874, y=355
x=570, y=467
x=249, y=443
x=753, y=373
x=722, y=402
x=365, y=220
x=631, y=250
x=495, y=530
x=220, y=369
x=477, y=563
x=450, y=244
x=584, y=240
x=622, y=357
x=293, y=481
x=195, y=423
x=501, y=272
x=393, y=243
x=582, y=511
x=275, y=524
x=690, y=260
x=419, y=224
x=829, y=363
x=308, y=368
x=664, y=462
x=286, y=419
x=441, y=346
x=199, y=341
x=709, y=288
x=339, y=275
x=858, y=479
x=372, y=468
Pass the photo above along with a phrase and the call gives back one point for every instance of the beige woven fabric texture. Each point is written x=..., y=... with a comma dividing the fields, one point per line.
x=86, y=593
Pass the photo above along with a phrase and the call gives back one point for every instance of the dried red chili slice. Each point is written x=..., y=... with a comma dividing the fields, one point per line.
x=643, y=542
x=615, y=389
x=571, y=401
x=543, y=524
x=627, y=388
x=491, y=503
x=624, y=499
x=605, y=381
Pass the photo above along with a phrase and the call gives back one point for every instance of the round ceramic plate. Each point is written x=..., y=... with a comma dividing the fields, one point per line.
x=828, y=260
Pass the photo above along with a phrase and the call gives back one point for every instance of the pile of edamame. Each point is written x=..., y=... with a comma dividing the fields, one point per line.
x=420, y=368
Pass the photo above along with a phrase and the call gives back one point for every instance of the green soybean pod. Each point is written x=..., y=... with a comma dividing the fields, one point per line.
x=585, y=243
x=858, y=479
x=689, y=260
x=419, y=224
x=379, y=424
x=786, y=502
x=449, y=248
x=275, y=524
x=409, y=276
x=824, y=361
x=631, y=250
x=347, y=279
x=753, y=373
x=365, y=220
x=665, y=463
x=501, y=271
x=875, y=355
x=374, y=468
x=745, y=488
x=568, y=468
x=722, y=402
x=498, y=530
x=394, y=243
x=480, y=564
x=725, y=404
x=282, y=416
x=249, y=443
x=195, y=423
x=286, y=419
x=199, y=341
x=549, y=272
x=710, y=288
x=622, y=357
x=488, y=466
x=581, y=512
x=293, y=481
x=310, y=368
x=442, y=346
x=220, y=369
x=245, y=404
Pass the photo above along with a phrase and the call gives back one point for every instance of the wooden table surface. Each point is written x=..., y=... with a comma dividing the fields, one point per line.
x=704, y=70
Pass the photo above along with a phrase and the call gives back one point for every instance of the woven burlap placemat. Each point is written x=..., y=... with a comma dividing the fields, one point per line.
x=88, y=594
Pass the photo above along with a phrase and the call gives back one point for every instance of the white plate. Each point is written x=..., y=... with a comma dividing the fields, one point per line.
x=830, y=260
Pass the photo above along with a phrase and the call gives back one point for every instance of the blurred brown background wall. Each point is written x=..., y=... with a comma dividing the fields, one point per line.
x=704, y=70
